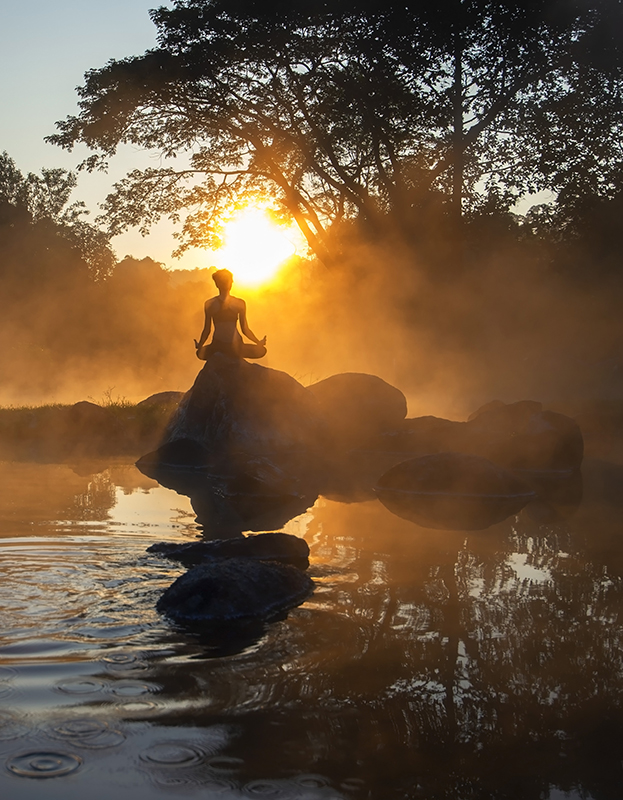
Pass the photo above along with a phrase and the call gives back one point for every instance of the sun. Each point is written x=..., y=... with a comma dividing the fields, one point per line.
x=255, y=247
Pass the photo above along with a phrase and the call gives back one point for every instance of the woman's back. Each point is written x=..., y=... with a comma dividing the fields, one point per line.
x=225, y=318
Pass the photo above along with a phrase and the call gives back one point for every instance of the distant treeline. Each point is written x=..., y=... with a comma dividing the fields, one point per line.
x=500, y=305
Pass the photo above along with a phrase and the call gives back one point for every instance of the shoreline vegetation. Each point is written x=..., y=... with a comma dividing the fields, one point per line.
x=117, y=427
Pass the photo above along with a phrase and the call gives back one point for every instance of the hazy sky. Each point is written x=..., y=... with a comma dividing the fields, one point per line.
x=46, y=46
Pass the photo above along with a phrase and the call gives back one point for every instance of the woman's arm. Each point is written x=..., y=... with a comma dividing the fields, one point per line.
x=207, y=327
x=244, y=325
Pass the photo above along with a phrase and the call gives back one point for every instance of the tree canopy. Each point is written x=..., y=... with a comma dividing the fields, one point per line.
x=38, y=223
x=332, y=111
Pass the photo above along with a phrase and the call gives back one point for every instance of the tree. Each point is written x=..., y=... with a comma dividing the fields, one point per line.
x=37, y=207
x=358, y=110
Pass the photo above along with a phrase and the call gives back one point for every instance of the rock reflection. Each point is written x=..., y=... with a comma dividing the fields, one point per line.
x=452, y=491
x=437, y=650
x=448, y=665
x=252, y=496
x=558, y=495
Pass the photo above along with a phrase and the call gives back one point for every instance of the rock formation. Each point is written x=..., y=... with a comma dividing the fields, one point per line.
x=519, y=436
x=234, y=590
x=282, y=547
x=237, y=407
x=167, y=400
x=358, y=407
x=453, y=491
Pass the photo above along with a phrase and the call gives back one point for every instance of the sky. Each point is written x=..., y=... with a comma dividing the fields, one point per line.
x=45, y=49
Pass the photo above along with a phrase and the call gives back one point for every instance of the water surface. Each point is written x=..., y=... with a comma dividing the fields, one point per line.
x=427, y=664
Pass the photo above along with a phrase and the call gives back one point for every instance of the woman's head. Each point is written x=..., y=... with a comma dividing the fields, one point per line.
x=223, y=279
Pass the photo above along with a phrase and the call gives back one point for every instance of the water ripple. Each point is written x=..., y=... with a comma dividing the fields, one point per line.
x=264, y=788
x=83, y=686
x=124, y=662
x=6, y=673
x=86, y=732
x=11, y=726
x=133, y=688
x=225, y=764
x=43, y=764
x=172, y=754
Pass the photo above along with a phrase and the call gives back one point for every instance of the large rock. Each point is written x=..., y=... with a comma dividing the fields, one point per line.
x=234, y=590
x=358, y=407
x=520, y=436
x=559, y=495
x=453, y=491
x=423, y=435
x=273, y=546
x=524, y=436
x=164, y=400
x=236, y=407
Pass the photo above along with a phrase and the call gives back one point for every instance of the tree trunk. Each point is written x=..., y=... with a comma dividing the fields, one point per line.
x=457, y=177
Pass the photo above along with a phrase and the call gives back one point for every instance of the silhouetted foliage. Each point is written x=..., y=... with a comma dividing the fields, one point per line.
x=357, y=110
x=42, y=234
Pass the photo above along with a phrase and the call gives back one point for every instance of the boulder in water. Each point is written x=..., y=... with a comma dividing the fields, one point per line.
x=274, y=546
x=559, y=495
x=452, y=491
x=423, y=435
x=187, y=453
x=234, y=590
x=237, y=407
x=524, y=436
x=358, y=407
x=518, y=436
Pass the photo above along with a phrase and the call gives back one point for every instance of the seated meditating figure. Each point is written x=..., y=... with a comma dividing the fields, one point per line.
x=225, y=312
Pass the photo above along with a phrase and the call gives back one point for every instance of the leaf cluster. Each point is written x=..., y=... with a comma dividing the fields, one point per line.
x=357, y=110
x=42, y=202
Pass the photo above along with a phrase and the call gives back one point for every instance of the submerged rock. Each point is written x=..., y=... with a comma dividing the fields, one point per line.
x=234, y=590
x=358, y=407
x=282, y=547
x=452, y=491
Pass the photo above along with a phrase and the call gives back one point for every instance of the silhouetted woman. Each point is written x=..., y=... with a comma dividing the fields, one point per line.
x=225, y=312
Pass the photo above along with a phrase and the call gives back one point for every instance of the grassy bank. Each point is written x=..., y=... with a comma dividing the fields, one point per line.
x=85, y=429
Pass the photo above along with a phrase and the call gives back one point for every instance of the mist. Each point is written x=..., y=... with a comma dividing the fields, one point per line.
x=499, y=318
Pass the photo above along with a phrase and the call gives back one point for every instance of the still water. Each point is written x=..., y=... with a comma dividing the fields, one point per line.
x=427, y=664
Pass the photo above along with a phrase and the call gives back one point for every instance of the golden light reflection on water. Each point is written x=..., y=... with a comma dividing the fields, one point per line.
x=426, y=664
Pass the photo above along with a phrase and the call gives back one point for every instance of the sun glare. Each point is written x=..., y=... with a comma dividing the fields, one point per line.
x=255, y=247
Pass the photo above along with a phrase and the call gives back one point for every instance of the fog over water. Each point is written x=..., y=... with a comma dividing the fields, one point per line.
x=502, y=325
